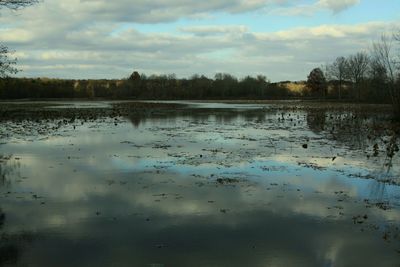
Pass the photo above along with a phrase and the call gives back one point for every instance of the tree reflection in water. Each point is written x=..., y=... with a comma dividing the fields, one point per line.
x=11, y=244
x=4, y=169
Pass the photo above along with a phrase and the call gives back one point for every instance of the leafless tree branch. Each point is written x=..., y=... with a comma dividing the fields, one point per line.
x=17, y=4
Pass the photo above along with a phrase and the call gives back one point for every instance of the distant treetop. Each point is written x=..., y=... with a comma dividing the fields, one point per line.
x=135, y=76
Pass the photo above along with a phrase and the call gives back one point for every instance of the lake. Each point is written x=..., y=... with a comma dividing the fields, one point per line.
x=179, y=183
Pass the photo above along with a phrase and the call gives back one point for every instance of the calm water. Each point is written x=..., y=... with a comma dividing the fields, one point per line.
x=208, y=185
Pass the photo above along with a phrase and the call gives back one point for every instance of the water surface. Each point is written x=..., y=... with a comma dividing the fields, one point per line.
x=203, y=184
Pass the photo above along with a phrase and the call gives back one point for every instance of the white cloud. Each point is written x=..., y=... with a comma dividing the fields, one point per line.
x=215, y=29
x=60, y=38
x=368, y=30
x=280, y=55
x=16, y=35
x=335, y=6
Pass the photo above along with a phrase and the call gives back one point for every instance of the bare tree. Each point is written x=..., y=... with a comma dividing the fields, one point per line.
x=6, y=63
x=16, y=4
x=357, y=68
x=377, y=72
x=339, y=70
x=385, y=58
x=382, y=53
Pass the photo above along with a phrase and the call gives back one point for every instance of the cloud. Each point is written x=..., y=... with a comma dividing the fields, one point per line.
x=76, y=12
x=165, y=11
x=215, y=29
x=337, y=6
x=80, y=39
x=368, y=30
x=334, y=6
x=16, y=35
x=280, y=55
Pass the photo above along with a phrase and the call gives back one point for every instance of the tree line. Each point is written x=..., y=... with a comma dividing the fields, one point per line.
x=372, y=76
x=140, y=86
x=363, y=77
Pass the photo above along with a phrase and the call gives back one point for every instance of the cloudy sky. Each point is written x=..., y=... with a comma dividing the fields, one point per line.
x=282, y=39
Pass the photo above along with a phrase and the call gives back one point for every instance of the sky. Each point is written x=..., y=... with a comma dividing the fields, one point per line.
x=281, y=39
